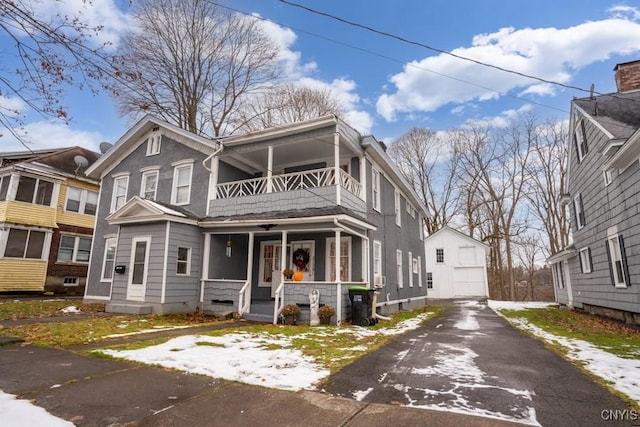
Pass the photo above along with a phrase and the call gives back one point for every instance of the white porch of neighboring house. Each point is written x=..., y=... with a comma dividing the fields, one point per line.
x=243, y=264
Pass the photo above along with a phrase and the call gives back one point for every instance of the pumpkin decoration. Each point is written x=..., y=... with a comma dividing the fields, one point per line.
x=298, y=276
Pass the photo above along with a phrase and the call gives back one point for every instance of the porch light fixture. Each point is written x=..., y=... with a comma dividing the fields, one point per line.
x=228, y=248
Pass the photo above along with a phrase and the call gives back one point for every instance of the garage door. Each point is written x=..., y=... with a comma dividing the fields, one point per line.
x=469, y=282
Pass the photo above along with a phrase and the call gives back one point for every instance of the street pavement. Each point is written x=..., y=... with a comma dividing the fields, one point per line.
x=470, y=360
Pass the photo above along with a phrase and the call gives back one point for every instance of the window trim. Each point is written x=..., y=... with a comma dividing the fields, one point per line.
x=580, y=143
x=187, y=261
x=74, y=253
x=410, y=268
x=174, y=185
x=328, y=270
x=579, y=211
x=585, y=260
x=439, y=260
x=419, y=271
x=104, y=258
x=429, y=280
x=397, y=198
x=616, y=253
x=154, y=142
x=144, y=176
x=377, y=259
x=114, y=193
x=375, y=189
x=399, y=268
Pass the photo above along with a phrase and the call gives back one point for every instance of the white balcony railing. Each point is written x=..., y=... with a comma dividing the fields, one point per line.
x=288, y=182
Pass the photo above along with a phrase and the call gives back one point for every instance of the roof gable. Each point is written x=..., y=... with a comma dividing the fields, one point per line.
x=138, y=210
x=448, y=230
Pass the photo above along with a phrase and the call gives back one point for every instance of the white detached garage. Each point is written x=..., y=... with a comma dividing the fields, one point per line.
x=456, y=265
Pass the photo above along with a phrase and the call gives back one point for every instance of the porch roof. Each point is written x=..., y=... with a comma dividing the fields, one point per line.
x=290, y=216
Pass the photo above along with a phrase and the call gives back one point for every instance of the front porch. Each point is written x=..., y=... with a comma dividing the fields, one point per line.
x=244, y=267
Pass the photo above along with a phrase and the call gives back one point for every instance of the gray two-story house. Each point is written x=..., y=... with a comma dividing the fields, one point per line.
x=187, y=223
x=600, y=271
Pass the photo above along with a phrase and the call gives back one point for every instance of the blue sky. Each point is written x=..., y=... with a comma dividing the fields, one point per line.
x=388, y=86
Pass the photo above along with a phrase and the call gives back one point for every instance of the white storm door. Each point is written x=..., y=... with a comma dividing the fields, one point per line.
x=138, y=268
x=302, y=251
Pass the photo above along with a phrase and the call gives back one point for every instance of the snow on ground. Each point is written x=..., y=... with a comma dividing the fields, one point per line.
x=518, y=305
x=251, y=358
x=22, y=413
x=72, y=309
x=623, y=374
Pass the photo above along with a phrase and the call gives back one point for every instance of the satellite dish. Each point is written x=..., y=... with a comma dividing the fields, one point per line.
x=81, y=161
x=105, y=146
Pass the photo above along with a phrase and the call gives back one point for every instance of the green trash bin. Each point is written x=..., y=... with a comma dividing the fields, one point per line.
x=361, y=299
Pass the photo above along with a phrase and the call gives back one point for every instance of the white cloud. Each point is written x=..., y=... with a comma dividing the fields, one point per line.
x=11, y=107
x=43, y=135
x=500, y=121
x=96, y=13
x=549, y=53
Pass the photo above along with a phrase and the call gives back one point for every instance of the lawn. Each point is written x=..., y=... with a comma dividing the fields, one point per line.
x=607, y=335
x=24, y=309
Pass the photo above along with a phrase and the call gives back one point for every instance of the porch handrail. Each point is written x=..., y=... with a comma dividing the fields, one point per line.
x=279, y=302
x=244, y=303
x=323, y=177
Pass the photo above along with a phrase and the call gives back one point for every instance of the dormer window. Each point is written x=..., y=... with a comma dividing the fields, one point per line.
x=153, y=144
x=580, y=140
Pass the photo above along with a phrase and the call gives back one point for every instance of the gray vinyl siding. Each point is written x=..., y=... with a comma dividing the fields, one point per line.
x=617, y=204
x=393, y=237
x=157, y=232
x=180, y=288
x=171, y=151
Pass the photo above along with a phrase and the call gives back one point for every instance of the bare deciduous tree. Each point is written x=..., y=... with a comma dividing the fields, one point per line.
x=287, y=103
x=191, y=63
x=430, y=165
x=53, y=53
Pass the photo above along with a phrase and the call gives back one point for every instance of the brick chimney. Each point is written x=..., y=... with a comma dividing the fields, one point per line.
x=628, y=76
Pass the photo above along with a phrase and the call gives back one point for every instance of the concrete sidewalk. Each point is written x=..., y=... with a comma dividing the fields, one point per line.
x=91, y=391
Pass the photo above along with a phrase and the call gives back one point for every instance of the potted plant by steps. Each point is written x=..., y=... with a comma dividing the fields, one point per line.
x=290, y=314
x=288, y=273
x=325, y=312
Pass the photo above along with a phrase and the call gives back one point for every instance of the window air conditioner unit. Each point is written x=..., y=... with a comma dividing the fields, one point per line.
x=379, y=281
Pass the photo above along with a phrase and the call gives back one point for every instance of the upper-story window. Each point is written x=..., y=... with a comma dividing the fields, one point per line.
x=181, y=191
x=81, y=201
x=34, y=190
x=149, y=184
x=440, y=255
x=398, y=211
x=4, y=186
x=577, y=204
x=375, y=188
x=585, y=260
x=120, y=187
x=399, y=267
x=580, y=139
x=153, y=144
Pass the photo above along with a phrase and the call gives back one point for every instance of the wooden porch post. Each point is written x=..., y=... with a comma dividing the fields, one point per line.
x=336, y=161
x=249, y=264
x=338, y=279
x=206, y=254
x=270, y=169
x=283, y=255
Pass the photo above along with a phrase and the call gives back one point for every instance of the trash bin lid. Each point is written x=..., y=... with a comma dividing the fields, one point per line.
x=358, y=288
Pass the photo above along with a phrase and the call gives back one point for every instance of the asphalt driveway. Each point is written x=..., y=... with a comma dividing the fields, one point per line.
x=469, y=360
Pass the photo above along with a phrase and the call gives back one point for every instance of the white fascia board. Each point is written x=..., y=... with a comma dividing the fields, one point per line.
x=278, y=132
x=279, y=221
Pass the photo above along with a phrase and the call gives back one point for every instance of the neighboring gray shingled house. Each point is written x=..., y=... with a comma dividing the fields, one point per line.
x=186, y=223
x=600, y=271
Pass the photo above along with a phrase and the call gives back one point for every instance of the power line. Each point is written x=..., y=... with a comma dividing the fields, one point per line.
x=435, y=49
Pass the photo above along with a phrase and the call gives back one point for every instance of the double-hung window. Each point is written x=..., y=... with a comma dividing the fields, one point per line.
x=81, y=201
x=577, y=204
x=585, y=260
x=153, y=144
x=181, y=192
x=108, y=264
x=399, y=268
x=398, y=211
x=429, y=280
x=345, y=259
x=617, y=261
x=120, y=187
x=149, y=184
x=183, y=264
x=439, y=255
x=74, y=249
x=375, y=188
x=410, y=268
x=580, y=141
x=377, y=262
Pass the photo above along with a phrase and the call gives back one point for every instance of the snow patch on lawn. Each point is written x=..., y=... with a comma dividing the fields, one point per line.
x=72, y=309
x=22, y=413
x=518, y=305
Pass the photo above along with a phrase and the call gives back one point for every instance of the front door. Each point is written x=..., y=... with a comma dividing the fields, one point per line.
x=138, y=268
x=303, y=259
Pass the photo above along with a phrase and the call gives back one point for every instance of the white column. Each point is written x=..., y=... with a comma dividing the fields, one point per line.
x=206, y=254
x=249, y=265
x=336, y=161
x=363, y=178
x=270, y=169
x=283, y=255
x=339, y=282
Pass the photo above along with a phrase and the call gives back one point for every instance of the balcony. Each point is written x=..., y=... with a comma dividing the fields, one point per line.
x=314, y=188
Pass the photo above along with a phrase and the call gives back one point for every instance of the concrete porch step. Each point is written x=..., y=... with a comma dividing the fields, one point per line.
x=257, y=317
x=128, y=308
